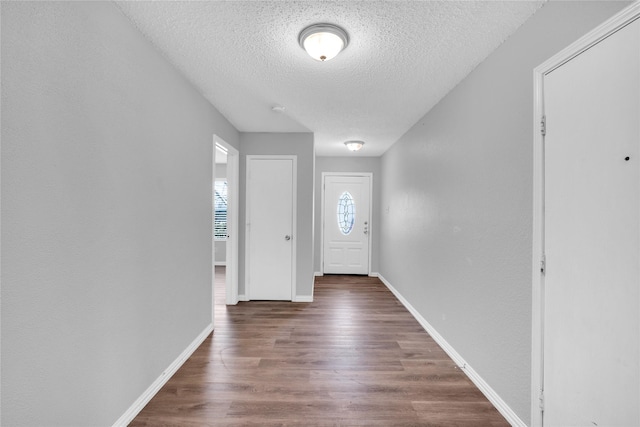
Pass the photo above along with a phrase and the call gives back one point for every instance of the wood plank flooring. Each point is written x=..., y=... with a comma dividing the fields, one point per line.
x=353, y=357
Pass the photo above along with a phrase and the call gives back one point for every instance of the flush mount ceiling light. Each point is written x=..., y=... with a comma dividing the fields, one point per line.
x=323, y=41
x=354, y=145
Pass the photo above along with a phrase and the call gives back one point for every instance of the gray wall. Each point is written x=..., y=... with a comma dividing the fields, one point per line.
x=106, y=213
x=348, y=164
x=300, y=144
x=457, y=204
x=220, y=246
x=221, y=171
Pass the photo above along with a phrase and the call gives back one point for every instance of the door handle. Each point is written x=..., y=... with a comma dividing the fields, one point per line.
x=287, y=237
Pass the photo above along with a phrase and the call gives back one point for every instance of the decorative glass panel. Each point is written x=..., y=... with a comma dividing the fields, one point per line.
x=346, y=213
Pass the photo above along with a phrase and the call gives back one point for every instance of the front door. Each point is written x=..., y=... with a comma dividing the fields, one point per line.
x=347, y=224
x=592, y=236
x=270, y=242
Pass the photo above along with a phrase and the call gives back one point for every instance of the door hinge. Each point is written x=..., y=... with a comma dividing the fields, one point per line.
x=543, y=125
x=543, y=264
x=541, y=401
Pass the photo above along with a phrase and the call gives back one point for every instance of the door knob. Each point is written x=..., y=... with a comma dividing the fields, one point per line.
x=287, y=237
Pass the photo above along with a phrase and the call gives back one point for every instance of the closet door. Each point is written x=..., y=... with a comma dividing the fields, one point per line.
x=592, y=236
x=270, y=245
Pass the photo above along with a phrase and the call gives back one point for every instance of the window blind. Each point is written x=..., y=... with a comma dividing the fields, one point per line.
x=220, y=210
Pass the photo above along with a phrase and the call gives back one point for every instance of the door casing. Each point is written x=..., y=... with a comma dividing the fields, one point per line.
x=322, y=202
x=233, y=184
x=600, y=33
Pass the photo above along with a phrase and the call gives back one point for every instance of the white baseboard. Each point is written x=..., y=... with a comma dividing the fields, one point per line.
x=482, y=385
x=320, y=274
x=148, y=394
x=221, y=264
x=299, y=298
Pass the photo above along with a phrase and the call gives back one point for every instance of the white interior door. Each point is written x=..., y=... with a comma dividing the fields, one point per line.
x=347, y=224
x=591, y=300
x=270, y=224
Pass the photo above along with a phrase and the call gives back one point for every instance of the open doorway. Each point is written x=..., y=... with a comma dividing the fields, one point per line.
x=225, y=229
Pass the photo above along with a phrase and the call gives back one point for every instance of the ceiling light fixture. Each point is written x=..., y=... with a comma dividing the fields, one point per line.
x=354, y=145
x=323, y=41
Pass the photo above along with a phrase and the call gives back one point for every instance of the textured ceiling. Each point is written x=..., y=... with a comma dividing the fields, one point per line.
x=403, y=57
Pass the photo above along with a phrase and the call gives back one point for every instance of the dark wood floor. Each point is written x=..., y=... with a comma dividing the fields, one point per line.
x=353, y=357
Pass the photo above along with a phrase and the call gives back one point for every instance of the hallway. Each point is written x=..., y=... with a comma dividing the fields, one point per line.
x=355, y=356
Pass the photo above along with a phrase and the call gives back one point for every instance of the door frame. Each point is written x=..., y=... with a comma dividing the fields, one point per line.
x=617, y=22
x=233, y=184
x=322, y=218
x=294, y=222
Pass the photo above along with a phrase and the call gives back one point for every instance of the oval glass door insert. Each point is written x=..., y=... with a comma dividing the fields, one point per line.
x=346, y=213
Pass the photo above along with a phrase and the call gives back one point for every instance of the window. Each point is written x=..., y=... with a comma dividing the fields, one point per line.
x=220, y=210
x=346, y=213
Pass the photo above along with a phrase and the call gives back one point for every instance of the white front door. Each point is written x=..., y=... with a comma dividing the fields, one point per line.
x=591, y=355
x=270, y=243
x=347, y=224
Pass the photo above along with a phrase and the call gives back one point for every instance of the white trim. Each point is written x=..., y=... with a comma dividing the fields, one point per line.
x=313, y=219
x=482, y=385
x=294, y=228
x=233, y=224
x=1, y=293
x=155, y=387
x=213, y=236
x=374, y=274
x=620, y=20
x=318, y=274
x=303, y=298
x=322, y=188
x=294, y=221
x=537, y=251
x=233, y=184
x=593, y=37
x=220, y=263
x=242, y=297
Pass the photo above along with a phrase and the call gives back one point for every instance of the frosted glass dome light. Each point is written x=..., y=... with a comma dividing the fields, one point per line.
x=354, y=145
x=323, y=41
